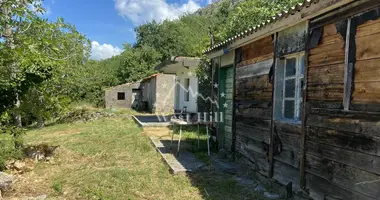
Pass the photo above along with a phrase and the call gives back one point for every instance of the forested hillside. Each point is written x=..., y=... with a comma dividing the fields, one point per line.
x=45, y=66
x=187, y=36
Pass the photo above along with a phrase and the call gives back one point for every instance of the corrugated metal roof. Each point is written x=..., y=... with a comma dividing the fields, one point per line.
x=282, y=15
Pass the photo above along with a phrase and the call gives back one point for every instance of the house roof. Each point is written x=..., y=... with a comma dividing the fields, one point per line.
x=149, y=77
x=176, y=62
x=125, y=84
x=133, y=83
x=278, y=17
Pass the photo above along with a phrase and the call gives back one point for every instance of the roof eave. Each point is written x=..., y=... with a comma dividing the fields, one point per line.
x=296, y=14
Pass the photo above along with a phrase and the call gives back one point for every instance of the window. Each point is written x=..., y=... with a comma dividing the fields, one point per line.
x=121, y=96
x=187, y=91
x=289, y=84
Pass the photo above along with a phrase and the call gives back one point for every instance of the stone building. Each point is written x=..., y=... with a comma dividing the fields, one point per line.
x=154, y=94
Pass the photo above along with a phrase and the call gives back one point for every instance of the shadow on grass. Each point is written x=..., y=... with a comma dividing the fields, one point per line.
x=211, y=182
x=218, y=185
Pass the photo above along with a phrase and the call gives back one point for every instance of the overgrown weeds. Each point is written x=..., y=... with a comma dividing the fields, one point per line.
x=11, y=144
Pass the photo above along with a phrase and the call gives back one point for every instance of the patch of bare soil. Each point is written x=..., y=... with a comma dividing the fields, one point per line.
x=159, y=132
x=30, y=183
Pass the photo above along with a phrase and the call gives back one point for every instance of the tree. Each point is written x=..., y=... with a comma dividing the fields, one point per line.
x=12, y=17
x=51, y=53
x=34, y=53
x=137, y=63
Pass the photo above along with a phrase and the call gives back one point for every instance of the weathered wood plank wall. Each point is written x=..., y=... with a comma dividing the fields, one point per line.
x=253, y=102
x=342, y=157
x=229, y=109
x=367, y=70
x=326, y=67
x=288, y=135
x=342, y=147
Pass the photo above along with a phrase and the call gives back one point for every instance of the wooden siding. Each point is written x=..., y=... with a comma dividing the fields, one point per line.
x=253, y=100
x=367, y=67
x=287, y=160
x=228, y=111
x=287, y=136
x=292, y=40
x=343, y=147
x=326, y=67
x=258, y=51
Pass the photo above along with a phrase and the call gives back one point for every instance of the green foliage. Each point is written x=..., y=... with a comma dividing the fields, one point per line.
x=247, y=14
x=57, y=186
x=48, y=65
x=205, y=85
x=138, y=63
x=187, y=36
x=11, y=144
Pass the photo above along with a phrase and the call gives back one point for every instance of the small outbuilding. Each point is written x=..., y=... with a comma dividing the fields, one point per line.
x=186, y=85
x=148, y=94
x=124, y=96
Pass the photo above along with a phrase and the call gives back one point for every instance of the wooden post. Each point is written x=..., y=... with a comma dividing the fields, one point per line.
x=304, y=112
x=271, y=142
x=233, y=145
x=349, y=68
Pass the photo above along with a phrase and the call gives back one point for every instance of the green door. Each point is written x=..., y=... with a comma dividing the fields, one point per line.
x=226, y=85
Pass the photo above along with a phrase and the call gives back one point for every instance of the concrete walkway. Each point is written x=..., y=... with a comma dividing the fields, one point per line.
x=184, y=162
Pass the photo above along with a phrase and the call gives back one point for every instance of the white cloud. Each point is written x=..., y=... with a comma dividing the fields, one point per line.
x=142, y=11
x=103, y=51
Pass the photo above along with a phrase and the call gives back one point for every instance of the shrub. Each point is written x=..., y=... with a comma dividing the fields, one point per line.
x=11, y=144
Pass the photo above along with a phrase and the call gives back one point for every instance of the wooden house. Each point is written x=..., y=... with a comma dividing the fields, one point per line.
x=304, y=88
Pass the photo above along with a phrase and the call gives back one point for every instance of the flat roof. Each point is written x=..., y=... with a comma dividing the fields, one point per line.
x=178, y=61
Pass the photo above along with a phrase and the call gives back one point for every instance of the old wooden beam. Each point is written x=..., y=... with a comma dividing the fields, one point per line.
x=304, y=113
x=271, y=142
x=236, y=62
x=344, y=12
x=348, y=73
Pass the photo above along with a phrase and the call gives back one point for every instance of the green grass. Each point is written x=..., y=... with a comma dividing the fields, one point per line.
x=190, y=135
x=111, y=159
x=7, y=150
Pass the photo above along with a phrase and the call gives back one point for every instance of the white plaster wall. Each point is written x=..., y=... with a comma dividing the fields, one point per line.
x=191, y=105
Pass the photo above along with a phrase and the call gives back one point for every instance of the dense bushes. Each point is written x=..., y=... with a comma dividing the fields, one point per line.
x=11, y=144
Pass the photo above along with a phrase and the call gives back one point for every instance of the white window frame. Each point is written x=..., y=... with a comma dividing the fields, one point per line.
x=297, y=97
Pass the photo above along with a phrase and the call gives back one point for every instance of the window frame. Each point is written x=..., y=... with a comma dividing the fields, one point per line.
x=298, y=99
x=118, y=97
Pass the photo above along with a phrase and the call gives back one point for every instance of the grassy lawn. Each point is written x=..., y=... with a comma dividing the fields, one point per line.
x=112, y=159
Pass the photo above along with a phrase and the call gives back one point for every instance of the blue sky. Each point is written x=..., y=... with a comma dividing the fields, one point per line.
x=110, y=23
